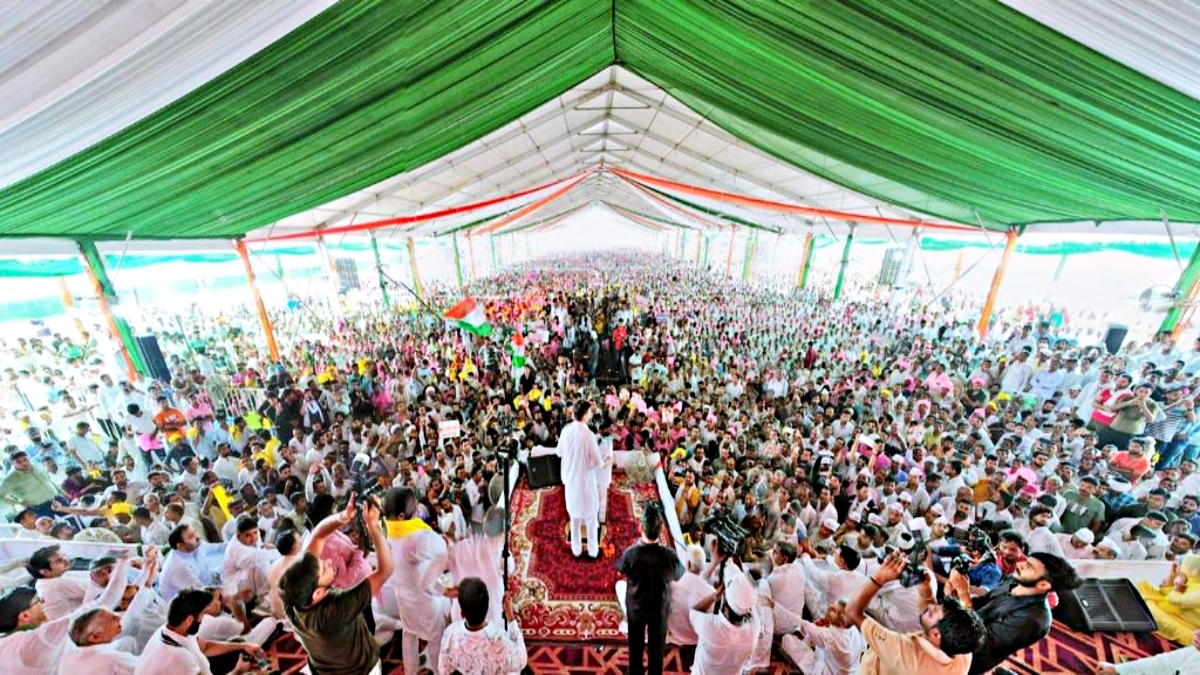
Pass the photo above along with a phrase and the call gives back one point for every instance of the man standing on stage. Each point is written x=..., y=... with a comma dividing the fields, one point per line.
x=650, y=568
x=580, y=463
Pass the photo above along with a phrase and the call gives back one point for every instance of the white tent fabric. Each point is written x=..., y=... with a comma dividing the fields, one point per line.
x=1158, y=38
x=73, y=72
x=613, y=119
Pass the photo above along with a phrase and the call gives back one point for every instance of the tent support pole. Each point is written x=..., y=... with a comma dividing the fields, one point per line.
x=1186, y=288
x=989, y=305
x=412, y=258
x=751, y=244
x=387, y=302
x=268, y=330
x=106, y=295
x=68, y=303
x=729, y=256
x=699, y=245
x=1062, y=264
x=805, y=261
x=331, y=285
x=457, y=262
x=910, y=256
x=958, y=263
x=471, y=254
x=841, y=277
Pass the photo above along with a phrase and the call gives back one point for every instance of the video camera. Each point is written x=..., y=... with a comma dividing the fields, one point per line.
x=731, y=537
x=914, y=567
x=978, y=541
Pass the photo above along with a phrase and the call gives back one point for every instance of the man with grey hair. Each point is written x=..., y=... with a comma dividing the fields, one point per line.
x=690, y=589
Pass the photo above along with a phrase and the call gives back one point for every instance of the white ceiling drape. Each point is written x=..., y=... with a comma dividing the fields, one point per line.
x=73, y=72
x=1157, y=38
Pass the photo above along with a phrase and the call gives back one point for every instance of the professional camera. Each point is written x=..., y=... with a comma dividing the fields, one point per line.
x=731, y=537
x=962, y=564
x=914, y=568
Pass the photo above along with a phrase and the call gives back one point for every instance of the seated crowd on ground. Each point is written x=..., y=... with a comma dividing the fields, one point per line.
x=832, y=432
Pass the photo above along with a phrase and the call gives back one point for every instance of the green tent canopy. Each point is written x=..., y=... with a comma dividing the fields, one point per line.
x=968, y=112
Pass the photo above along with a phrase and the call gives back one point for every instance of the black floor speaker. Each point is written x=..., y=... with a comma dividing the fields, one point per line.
x=1105, y=606
x=544, y=471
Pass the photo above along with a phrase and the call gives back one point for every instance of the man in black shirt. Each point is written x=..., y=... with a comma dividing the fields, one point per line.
x=650, y=568
x=1016, y=613
x=331, y=624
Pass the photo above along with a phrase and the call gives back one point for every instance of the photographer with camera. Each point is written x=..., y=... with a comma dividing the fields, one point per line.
x=1016, y=613
x=950, y=631
x=726, y=624
x=975, y=560
x=332, y=624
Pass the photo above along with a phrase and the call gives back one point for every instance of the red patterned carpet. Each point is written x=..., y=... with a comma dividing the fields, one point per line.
x=558, y=597
x=1068, y=651
x=1064, y=651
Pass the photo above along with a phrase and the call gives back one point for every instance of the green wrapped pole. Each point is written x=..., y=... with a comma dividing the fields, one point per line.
x=457, y=262
x=387, y=302
x=808, y=252
x=707, y=241
x=1062, y=264
x=841, y=278
x=1184, y=289
x=495, y=264
x=751, y=245
x=106, y=296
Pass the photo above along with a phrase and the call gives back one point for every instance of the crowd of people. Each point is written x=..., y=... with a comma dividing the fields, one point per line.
x=859, y=484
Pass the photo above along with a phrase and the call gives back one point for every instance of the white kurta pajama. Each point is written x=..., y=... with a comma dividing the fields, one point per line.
x=415, y=596
x=604, y=476
x=581, y=460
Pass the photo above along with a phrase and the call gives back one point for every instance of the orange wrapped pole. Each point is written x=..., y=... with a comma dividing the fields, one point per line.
x=68, y=302
x=989, y=305
x=729, y=257
x=265, y=320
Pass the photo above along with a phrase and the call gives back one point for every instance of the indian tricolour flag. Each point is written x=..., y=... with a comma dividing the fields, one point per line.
x=470, y=317
x=517, y=347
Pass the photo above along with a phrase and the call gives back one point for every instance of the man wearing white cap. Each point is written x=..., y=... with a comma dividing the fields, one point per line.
x=1077, y=545
x=1106, y=549
x=896, y=524
x=727, y=638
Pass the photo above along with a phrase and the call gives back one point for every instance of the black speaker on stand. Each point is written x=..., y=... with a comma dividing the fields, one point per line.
x=1114, y=337
x=1105, y=606
x=152, y=356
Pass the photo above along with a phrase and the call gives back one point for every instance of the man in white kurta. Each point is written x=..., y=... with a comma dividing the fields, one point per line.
x=604, y=475
x=414, y=592
x=581, y=461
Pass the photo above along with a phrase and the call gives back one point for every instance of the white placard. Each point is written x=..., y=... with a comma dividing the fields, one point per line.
x=449, y=429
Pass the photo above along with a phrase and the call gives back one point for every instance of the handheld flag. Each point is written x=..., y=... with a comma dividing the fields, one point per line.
x=517, y=347
x=470, y=317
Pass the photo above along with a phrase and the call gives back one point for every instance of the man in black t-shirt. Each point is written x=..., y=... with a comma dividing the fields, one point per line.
x=650, y=568
x=331, y=624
